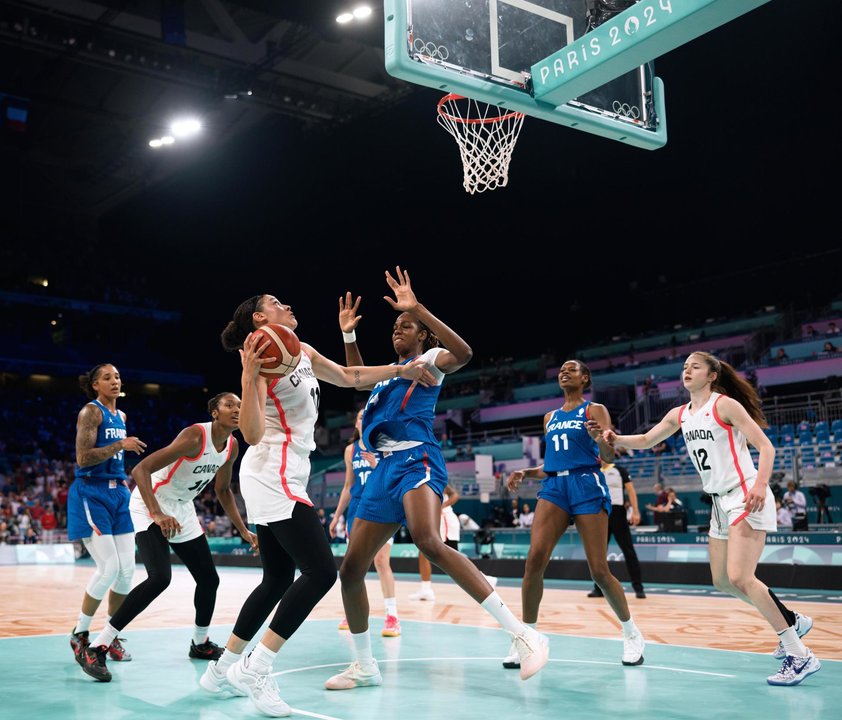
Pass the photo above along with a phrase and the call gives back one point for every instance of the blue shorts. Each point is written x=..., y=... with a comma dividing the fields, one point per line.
x=579, y=493
x=96, y=508
x=350, y=514
x=395, y=475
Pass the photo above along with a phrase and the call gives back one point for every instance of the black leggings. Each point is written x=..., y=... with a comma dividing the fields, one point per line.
x=155, y=552
x=285, y=544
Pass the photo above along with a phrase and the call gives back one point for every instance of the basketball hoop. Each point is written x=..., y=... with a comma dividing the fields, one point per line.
x=486, y=135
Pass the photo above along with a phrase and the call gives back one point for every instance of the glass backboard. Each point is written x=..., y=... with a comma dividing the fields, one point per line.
x=486, y=50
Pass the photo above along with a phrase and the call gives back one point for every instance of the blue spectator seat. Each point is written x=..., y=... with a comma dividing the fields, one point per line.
x=822, y=434
x=788, y=429
x=826, y=457
x=805, y=437
x=836, y=429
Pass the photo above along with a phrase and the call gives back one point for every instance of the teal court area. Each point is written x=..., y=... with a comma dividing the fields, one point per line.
x=432, y=671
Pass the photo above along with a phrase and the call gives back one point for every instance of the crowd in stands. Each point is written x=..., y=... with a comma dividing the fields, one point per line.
x=37, y=443
x=37, y=456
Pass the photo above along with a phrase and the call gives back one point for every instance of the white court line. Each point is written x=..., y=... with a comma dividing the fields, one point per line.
x=296, y=711
x=497, y=658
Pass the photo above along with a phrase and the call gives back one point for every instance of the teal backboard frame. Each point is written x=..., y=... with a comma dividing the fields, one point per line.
x=502, y=89
x=552, y=87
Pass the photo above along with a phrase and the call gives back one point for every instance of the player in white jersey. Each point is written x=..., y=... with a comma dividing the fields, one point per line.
x=722, y=416
x=164, y=517
x=277, y=420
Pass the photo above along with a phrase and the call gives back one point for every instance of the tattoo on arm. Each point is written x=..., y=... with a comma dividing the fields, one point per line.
x=357, y=377
x=86, y=453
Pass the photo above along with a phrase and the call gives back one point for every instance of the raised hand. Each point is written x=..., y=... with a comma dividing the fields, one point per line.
x=405, y=300
x=250, y=355
x=348, y=318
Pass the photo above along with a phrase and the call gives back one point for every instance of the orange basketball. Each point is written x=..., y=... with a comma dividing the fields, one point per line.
x=283, y=345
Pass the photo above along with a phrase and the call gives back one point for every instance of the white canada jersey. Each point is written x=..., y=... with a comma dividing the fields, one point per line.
x=292, y=408
x=274, y=473
x=719, y=451
x=185, y=478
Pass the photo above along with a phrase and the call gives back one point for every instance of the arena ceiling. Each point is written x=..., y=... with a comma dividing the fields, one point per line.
x=99, y=79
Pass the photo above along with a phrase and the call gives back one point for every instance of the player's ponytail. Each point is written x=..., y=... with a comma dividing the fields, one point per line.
x=729, y=382
x=238, y=329
x=431, y=340
x=86, y=381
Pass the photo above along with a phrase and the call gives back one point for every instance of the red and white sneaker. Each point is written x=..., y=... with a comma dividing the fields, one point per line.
x=117, y=652
x=392, y=627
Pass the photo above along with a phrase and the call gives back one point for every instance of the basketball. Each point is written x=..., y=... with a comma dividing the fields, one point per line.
x=283, y=345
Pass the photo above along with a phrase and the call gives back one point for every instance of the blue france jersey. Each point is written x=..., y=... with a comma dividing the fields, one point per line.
x=110, y=430
x=568, y=444
x=362, y=469
x=401, y=411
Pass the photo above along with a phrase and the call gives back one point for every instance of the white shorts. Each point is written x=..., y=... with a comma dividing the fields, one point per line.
x=184, y=511
x=730, y=508
x=272, y=479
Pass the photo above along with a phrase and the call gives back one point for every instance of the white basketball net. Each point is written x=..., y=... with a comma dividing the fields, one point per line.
x=486, y=135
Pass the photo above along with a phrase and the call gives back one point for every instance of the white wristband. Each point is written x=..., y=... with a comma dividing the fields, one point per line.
x=349, y=337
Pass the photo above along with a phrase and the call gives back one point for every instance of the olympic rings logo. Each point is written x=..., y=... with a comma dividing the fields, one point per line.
x=630, y=111
x=430, y=49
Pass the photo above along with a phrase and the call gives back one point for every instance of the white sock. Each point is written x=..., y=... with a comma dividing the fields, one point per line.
x=261, y=659
x=629, y=628
x=200, y=634
x=106, y=636
x=391, y=606
x=426, y=586
x=495, y=606
x=362, y=645
x=227, y=659
x=83, y=623
x=792, y=643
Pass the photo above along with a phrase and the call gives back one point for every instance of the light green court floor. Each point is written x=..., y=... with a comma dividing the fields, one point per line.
x=433, y=671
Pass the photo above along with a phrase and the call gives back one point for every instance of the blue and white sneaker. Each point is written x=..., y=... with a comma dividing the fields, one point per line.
x=795, y=669
x=803, y=625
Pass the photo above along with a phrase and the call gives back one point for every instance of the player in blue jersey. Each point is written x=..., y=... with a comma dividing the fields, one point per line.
x=574, y=488
x=359, y=463
x=98, y=508
x=407, y=485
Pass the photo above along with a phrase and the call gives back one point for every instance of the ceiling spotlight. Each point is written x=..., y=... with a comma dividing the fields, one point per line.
x=363, y=11
x=167, y=140
x=345, y=17
x=185, y=127
x=156, y=143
